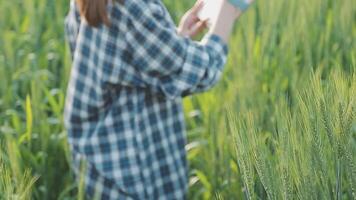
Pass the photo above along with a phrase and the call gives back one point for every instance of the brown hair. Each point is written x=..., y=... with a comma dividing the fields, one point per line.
x=94, y=11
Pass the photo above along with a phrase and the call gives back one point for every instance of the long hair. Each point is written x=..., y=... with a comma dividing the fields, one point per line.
x=94, y=11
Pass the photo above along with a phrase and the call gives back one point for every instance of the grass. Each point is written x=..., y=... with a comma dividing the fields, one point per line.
x=279, y=125
x=308, y=154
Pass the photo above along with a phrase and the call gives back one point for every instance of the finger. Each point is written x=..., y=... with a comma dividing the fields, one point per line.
x=197, y=7
x=197, y=28
x=198, y=2
x=192, y=21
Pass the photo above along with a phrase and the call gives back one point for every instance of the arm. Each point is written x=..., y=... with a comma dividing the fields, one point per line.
x=169, y=62
x=225, y=21
x=191, y=25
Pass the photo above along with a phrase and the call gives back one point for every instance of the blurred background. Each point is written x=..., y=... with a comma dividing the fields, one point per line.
x=279, y=125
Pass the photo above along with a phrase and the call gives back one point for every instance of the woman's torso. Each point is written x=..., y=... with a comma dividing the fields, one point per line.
x=131, y=133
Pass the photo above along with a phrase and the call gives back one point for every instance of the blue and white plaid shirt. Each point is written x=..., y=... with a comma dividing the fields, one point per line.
x=124, y=112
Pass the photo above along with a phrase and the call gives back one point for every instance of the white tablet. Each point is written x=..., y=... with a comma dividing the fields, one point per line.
x=211, y=8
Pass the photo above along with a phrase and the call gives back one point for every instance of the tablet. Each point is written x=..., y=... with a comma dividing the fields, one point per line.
x=211, y=8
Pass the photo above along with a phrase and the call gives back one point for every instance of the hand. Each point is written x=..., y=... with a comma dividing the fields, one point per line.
x=190, y=25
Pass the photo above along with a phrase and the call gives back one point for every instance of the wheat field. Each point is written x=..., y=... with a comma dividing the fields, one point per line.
x=279, y=125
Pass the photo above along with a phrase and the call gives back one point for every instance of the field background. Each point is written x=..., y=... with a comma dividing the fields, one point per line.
x=279, y=125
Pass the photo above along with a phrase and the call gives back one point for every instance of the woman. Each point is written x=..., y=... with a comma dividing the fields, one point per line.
x=131, y=68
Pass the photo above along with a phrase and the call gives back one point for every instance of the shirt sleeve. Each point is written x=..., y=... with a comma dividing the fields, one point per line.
x=71, y=26
x=166, y=61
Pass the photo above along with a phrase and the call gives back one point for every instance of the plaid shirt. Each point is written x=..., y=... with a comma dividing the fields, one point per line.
x=123, y=109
